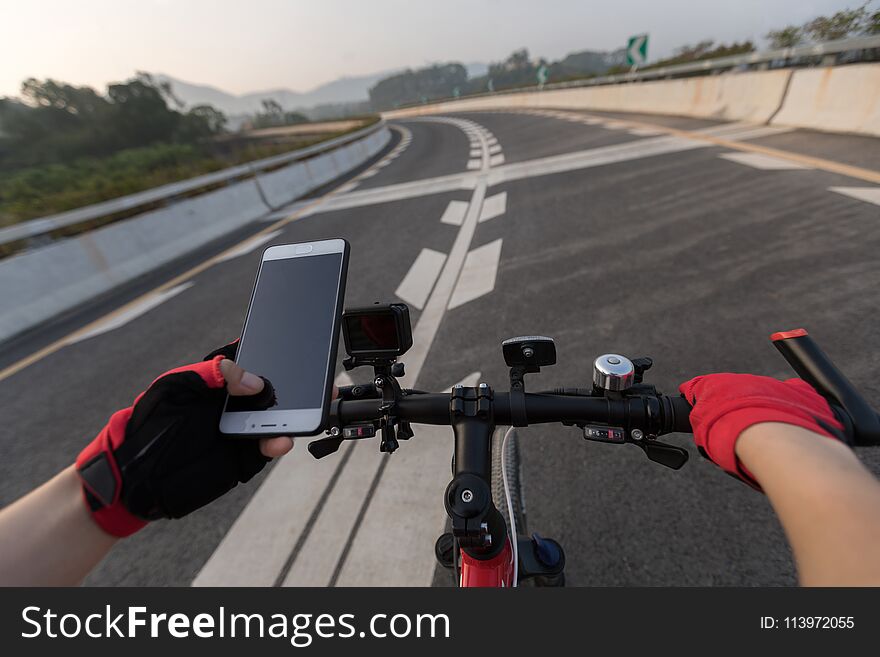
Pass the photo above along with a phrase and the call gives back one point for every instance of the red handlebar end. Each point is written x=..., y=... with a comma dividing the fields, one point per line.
x=784, y=335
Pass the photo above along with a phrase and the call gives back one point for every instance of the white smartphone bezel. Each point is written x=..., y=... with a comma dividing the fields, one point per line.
x=295, y=421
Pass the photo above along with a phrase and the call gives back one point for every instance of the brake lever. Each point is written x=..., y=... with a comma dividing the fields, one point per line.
x=671, y=456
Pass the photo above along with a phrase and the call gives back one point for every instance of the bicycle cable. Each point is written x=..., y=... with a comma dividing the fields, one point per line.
x=512, y=527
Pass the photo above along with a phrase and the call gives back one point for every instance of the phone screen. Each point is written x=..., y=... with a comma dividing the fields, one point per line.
x=287, y=337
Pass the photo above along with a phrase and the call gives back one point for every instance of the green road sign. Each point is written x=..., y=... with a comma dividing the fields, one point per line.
x=543, y=74
x=491, y=86
x=637, y=50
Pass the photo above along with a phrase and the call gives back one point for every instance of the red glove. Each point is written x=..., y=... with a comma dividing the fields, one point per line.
x=164, y=457
x=725, y=405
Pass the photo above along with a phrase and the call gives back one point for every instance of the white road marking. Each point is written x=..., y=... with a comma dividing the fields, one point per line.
x=494, y=206
x=399, y=192
x=419, y=280
x=645, y=132
x=469, y=381
x=258, y=544
x=385, y=162
x=454, y=213
x=867, y=194
x=369, y=173
x=496, y=160
x=132, y=313
x=317, y=558
x=476, y=153
x=474, y=164
x=492, y=140
x=756, y=133
x=494, y=150
x=478, y=274
x=593, y=157
x=343, y=379
x=249, y=245
x=761, y=161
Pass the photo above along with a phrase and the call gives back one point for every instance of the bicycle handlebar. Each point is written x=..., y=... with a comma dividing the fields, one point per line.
x=655, y=415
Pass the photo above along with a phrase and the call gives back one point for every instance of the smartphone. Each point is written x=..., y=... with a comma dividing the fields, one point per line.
x=290, y=336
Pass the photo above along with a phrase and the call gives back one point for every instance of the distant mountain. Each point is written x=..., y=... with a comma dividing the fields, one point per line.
x=343, y=90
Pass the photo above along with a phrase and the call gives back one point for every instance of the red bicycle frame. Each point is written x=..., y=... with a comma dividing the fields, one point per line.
x=495, y=572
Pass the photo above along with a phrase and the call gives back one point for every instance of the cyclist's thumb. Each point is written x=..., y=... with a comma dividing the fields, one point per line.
x=240, y=382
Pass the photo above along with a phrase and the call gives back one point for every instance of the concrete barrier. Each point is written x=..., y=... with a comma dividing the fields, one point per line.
x=750, y=96
x=38, y=284
x=834, y=98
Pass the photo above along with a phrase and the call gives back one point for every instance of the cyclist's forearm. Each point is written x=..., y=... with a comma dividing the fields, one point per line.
x=827, y=501
x=47, y=537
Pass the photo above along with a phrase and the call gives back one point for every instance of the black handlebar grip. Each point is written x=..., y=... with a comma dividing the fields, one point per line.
x=813, y=366
x=681, y=411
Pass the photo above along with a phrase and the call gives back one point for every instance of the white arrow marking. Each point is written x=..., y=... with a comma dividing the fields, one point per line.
x=867, y=194
x=132, y=313
x=419, y=280
x=477, y=275
x=494, y=206
x=454, y=214
x=249, y=245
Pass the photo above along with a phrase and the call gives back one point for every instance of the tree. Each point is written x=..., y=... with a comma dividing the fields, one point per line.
x=213, y=119
x=787, y=37
x=839, y=26
x=437, y=81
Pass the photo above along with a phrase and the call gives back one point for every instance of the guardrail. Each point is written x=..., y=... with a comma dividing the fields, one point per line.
x=708, y=65
x=124, y=204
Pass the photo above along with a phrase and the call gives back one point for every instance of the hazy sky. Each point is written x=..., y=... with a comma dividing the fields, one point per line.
x=249, y=45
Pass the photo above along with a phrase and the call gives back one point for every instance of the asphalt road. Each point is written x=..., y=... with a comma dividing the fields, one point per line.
x=682, y=255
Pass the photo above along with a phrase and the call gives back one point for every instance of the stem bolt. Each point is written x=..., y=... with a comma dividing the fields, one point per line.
x=636, y=434
x=467, y=495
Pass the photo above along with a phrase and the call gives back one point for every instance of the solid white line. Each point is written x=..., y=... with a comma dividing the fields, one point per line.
x=594, y=157
x=419, y=280
x=645, y=132
x=255, y=548
x=132, y=313
x=454, y=213
x=761, y=161
x=867, y=194
x=478, y=274
x=319, y=555
x=249, y=245
x=494, y=206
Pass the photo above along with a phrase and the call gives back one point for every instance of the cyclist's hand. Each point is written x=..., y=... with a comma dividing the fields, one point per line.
x=164, y=457
x=725, y=405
